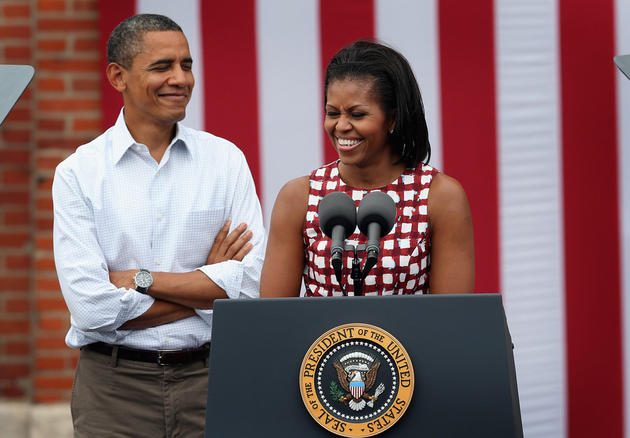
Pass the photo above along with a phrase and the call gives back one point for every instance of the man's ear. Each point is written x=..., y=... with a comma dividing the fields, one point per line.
x=116, y=76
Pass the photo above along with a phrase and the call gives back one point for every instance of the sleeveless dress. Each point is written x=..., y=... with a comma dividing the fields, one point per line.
x=404, y=259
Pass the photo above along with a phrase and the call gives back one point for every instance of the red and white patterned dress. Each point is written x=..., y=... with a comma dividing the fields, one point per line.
x=404, y=259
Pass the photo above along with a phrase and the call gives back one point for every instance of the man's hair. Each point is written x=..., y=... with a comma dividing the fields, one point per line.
x=125, y=41
x=394, y=86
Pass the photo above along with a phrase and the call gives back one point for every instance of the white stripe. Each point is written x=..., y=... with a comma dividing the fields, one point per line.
x=289, y=87
x=622, y=21
x=186, y=13
x=411, y=27
x=529, y=157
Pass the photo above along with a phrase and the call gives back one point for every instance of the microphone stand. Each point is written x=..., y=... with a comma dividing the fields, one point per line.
x=356, y=275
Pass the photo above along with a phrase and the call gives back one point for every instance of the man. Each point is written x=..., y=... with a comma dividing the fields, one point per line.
x=143, y=248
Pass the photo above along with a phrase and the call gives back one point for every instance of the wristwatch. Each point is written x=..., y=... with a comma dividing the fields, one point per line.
x=143, y=280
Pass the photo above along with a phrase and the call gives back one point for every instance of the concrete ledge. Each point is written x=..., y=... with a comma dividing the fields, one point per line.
x=24, y=420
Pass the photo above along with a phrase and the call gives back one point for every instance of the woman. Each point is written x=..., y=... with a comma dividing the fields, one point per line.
x=375, y=120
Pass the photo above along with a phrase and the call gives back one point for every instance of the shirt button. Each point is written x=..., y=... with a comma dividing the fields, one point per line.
x=159, y=217
x=157, y=262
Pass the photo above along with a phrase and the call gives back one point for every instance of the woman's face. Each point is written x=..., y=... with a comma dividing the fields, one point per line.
x=357, y=125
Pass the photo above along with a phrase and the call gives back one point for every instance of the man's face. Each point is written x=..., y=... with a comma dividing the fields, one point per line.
x=160, y=80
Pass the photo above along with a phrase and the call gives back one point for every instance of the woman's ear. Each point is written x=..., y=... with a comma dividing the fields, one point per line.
x=116, y=76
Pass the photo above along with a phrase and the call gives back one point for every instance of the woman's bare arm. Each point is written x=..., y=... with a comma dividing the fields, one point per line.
x=284, y=260
x=452, y=247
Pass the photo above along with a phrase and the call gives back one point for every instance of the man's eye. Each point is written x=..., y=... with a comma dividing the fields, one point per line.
x=187, y=67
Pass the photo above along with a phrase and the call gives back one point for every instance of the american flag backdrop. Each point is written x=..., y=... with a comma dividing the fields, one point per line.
x=525, y=108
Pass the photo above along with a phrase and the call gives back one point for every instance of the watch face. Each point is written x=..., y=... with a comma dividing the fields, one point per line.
x=143, y=279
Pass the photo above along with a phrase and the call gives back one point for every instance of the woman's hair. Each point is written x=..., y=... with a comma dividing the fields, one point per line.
x=395, y=86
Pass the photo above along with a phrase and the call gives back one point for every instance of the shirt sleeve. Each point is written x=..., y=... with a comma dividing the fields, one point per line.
x=241, y=279
x=95, y=304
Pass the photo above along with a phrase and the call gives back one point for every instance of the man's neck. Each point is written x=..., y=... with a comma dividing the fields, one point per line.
x=156, y=137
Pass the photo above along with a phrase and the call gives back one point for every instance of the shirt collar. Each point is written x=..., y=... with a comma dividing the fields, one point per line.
x=122, y=139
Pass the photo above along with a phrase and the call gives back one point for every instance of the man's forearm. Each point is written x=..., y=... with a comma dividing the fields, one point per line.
x=161, y=312
x=191, y=289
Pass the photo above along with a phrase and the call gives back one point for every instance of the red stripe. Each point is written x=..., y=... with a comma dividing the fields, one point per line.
x=230, y=82
x=468, y=122
x=342, y=22
x=111, y=12
x=591, y=227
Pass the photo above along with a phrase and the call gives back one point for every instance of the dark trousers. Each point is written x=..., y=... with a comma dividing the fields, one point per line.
x=119, y=398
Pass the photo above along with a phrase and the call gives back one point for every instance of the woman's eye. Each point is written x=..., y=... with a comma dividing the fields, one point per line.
x=332, y=113
x=358, y=115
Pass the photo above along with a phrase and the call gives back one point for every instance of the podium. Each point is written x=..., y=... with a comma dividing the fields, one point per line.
x=459, y=346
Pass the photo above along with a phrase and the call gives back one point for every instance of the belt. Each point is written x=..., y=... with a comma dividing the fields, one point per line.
x=161, y=357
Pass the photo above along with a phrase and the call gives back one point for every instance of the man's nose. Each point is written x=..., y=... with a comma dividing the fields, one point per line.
x=178, y=76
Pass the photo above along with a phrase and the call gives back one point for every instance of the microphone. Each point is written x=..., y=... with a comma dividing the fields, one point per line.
x=376, y=217
x=337, y=219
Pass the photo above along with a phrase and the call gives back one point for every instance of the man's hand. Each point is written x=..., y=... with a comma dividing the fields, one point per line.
x=123, y=278
x=233, y=246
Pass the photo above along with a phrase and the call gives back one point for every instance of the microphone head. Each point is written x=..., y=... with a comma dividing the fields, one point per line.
x=337, y=208
x=376, y=207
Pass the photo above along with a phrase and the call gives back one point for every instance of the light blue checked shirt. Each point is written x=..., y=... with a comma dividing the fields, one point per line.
x=116, y=208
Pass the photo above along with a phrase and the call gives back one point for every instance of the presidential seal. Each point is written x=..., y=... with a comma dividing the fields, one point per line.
x=356, y=380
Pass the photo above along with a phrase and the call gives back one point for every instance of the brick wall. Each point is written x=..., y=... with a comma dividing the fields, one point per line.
x=59, y=111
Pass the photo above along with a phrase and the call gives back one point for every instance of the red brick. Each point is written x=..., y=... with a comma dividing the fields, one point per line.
x=86, y=85
x=14, y=197
x=17, y=306
x=87, y=44
x=47, y=284
x=14, y=32
x=51, y=5
x=18, y=115
x=44, y=204
x=15, y=157
x=17, y=52
x=16, y=177
x=87, y=125
x=69, y=65
x=51, y=304
x=11, y=391
x=49, y=398
x=17, y=11
x=52, y=324
x=13, y=283
x=53, y=382
x=51, y=84
x=15, y=218
x=13, y=371
x=48, y=343
x=85, y=5
x=68, y=105
x=13, y=240
x=16, y=135
x=14, y=327
x=18, y=348
x=51, y=124
x=51, y=45
x=61, y=143
x=44, y=182
x=44, y=224
x=43, y=264
x=18, y=261
x=43, y=243
x=50, y=363
x=66, y=24
x=48, y=163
